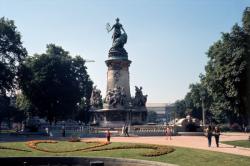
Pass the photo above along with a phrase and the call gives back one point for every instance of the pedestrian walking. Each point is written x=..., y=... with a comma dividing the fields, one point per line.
x=126, y=131
x=108, y=135
x=209, y=134
x=122, y=133
x=63, y=131
x=216, y=134
x=168, y=132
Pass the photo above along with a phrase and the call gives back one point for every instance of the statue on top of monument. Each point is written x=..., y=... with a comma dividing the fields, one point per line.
x=119, y=39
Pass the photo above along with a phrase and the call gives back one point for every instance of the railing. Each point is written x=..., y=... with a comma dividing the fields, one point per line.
x=157, y=130
x=89, y=131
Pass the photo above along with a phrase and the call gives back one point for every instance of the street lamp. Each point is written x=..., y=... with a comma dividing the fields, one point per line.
x=203, y=97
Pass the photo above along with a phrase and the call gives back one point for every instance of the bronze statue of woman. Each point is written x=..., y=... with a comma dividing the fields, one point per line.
x=117, y=29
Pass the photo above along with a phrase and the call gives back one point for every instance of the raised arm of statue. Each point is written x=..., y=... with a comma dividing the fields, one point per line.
x=111, y=28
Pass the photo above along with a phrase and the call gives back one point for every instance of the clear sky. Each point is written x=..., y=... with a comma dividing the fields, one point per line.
x=167, y=39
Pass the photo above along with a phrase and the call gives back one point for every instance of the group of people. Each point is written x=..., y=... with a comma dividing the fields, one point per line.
x=210, y=132
x=169, y=131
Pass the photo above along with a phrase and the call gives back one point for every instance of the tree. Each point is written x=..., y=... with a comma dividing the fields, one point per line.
x=246, y=27
x=194, y=100
x=179, y=109
x=55, y=83
x=24, y=105
x=12, y=53
x=4, y=107
x=226, y=83
x=192, y=103
x=225, y=75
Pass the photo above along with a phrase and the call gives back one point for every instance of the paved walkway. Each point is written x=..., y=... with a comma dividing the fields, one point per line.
x=198, y=142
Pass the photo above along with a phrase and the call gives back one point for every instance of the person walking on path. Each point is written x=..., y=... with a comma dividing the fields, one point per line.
x=168, y=132
x=126, y=130
x=209, y=134
x=108, y=135
x=63, y=131
x=216, y=134
x=122, y=133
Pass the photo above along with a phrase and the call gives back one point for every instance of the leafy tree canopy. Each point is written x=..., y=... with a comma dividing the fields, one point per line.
x=55, y=83
x=11, y=54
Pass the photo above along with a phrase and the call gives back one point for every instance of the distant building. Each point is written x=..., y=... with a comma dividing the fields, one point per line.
x=169, y=112
x=159, y=108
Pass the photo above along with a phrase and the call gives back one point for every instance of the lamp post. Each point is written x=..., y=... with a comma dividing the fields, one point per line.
x=203, y=97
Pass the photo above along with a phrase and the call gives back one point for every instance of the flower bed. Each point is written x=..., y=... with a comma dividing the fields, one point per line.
x=157, y=150
x=16, y=149
x=34, y=145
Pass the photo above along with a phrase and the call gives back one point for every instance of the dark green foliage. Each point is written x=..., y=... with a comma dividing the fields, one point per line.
x=246, y=20
x=225, y=75
x=225, y=85
x=11, y=54
x=246, y=27
x=4, y=106
x=193, y=100
x=55, y=83
x=180, y=109
x=24, y=105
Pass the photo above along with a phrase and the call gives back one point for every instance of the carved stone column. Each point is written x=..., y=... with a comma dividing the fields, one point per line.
x=118, y=74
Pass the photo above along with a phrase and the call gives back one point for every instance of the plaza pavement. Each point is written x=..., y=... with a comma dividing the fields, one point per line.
x=197, y=142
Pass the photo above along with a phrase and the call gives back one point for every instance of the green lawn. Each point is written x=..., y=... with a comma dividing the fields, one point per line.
x=7, y=131
x=241, y=143
x=181, y=156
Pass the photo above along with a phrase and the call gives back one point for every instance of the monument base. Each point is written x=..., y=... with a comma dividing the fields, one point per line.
x=114, y=118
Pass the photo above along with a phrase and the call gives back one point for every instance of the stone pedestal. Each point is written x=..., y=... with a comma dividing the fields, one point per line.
x=118, y=117
x=124, y=112
x=118, y=74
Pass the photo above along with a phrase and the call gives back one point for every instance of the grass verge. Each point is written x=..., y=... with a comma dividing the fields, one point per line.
x=241, y=143
x=180, y=156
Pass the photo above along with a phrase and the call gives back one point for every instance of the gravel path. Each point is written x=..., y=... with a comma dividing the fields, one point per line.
x=197, y=142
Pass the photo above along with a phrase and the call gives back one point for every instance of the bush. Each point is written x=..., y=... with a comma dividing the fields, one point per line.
x=225, y=127
x=75, y=139
x=235, y=127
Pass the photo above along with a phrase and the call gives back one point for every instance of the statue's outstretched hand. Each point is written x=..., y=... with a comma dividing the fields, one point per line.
x=108, y=27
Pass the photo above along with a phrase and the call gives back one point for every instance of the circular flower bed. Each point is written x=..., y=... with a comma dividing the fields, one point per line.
x=16, y=149
x=34, y=145
x=157, y=150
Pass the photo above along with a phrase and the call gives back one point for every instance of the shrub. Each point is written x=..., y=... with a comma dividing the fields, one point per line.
x=75, y=139
x=235, y=127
